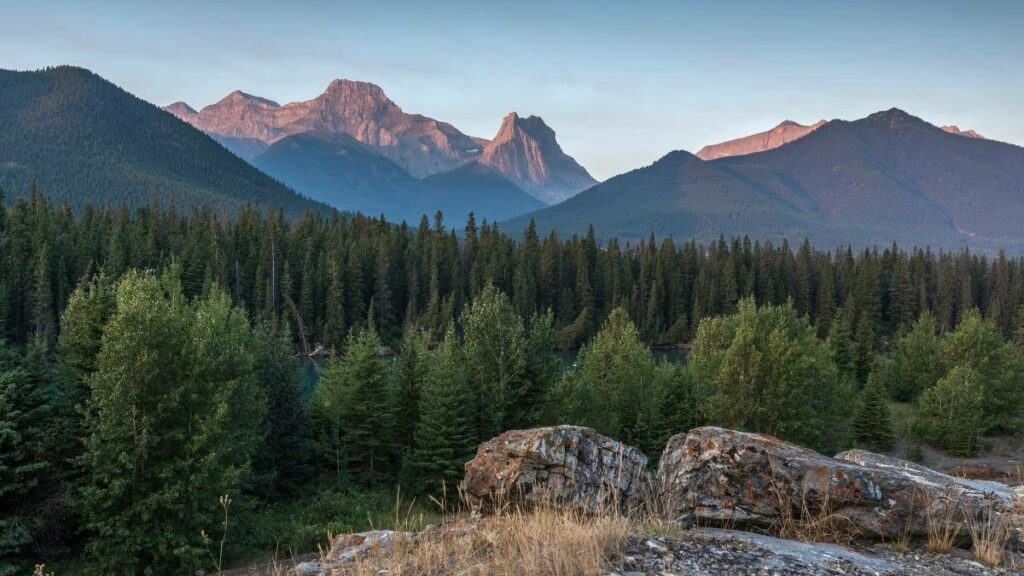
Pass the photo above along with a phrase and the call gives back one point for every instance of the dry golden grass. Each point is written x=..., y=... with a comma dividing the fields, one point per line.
x=944, y=527
x=989, y=534
x=542, y=541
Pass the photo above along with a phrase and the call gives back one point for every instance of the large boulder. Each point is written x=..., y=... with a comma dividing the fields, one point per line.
x=562, y=466
x=717, y=476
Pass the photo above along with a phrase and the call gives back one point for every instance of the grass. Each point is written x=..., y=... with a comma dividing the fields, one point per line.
x=542, y=541
x=990, y=532
x=306, y=522
x=944, y=526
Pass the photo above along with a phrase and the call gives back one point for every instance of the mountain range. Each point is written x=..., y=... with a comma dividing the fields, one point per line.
x=351, y=122
x=81, y=139
x=888, y=177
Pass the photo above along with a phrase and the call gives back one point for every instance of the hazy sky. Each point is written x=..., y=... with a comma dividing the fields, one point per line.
x=621, y=82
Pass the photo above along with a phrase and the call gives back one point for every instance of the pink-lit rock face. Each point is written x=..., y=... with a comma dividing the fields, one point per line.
x=419, y=144
x=782, y=134
x=954, y=129
x=525, y=151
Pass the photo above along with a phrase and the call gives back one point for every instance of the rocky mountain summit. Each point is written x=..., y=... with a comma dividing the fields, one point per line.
x=784, y=133
x=722, y=502
x=181, y=110
x=419, y=144
x=526, y=152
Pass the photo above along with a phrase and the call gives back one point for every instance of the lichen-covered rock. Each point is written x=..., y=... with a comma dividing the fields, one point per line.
x=563, y=466
x=725, y=477
x=347, y=548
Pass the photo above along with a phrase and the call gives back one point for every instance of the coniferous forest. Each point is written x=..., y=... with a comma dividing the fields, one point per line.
x=152, y=406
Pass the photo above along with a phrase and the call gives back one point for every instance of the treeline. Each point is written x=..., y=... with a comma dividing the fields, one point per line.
x=325, y=275
x=148, y=385
x=155, y=417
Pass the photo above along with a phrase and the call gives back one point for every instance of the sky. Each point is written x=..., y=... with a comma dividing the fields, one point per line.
x=621, y=82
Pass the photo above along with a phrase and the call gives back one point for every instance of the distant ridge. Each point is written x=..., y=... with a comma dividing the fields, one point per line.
x=888, y=177
x=784, y=133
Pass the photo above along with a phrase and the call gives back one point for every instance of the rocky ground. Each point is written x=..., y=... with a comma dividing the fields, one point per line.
x=715, y=552
x=546, y=499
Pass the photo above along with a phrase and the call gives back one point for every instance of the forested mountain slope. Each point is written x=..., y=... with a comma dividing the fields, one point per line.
x=888, y=177
x=343, y=172
x=83, y=140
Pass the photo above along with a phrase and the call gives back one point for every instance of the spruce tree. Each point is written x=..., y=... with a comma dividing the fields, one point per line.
x=872, y=425
x=282, y=460
x=327, y=419
x=951, y=414
x=366, y=413
x=444, y=433
x=410, y=373
x=24, y=419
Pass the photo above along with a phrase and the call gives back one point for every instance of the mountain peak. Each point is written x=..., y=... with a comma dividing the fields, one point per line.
x=344, y=87
x=527, y=152
x=182, y=110
x=238, y=97
x=894, y=117
x=533, y=126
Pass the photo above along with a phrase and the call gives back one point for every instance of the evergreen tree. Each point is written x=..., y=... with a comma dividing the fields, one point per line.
x=764, y=370
x=444, y=433
x=327, y=417
x=916, y=362
x=410, y=373
x=172, y=424
x=613, y=387
x=365, y=412
x=282, y=461
x=951, y=414
x=495, y=359
x=24, y=414
x=872, y=425
x=540, y=374
x=978, y=344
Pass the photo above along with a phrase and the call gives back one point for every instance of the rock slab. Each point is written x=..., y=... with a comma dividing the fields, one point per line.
x=563, y=466
x=724, y=477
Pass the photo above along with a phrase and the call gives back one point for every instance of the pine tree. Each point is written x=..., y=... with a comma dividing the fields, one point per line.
x=444, y=434
x=282, y=460
x=410, y=374
x=495, y=359
x=43, y=315
x=327, y=419
x=365, y=413
x=951, y=414
x=334, y=321
x=872, y=425
x=24, y=417
x=864, y=349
